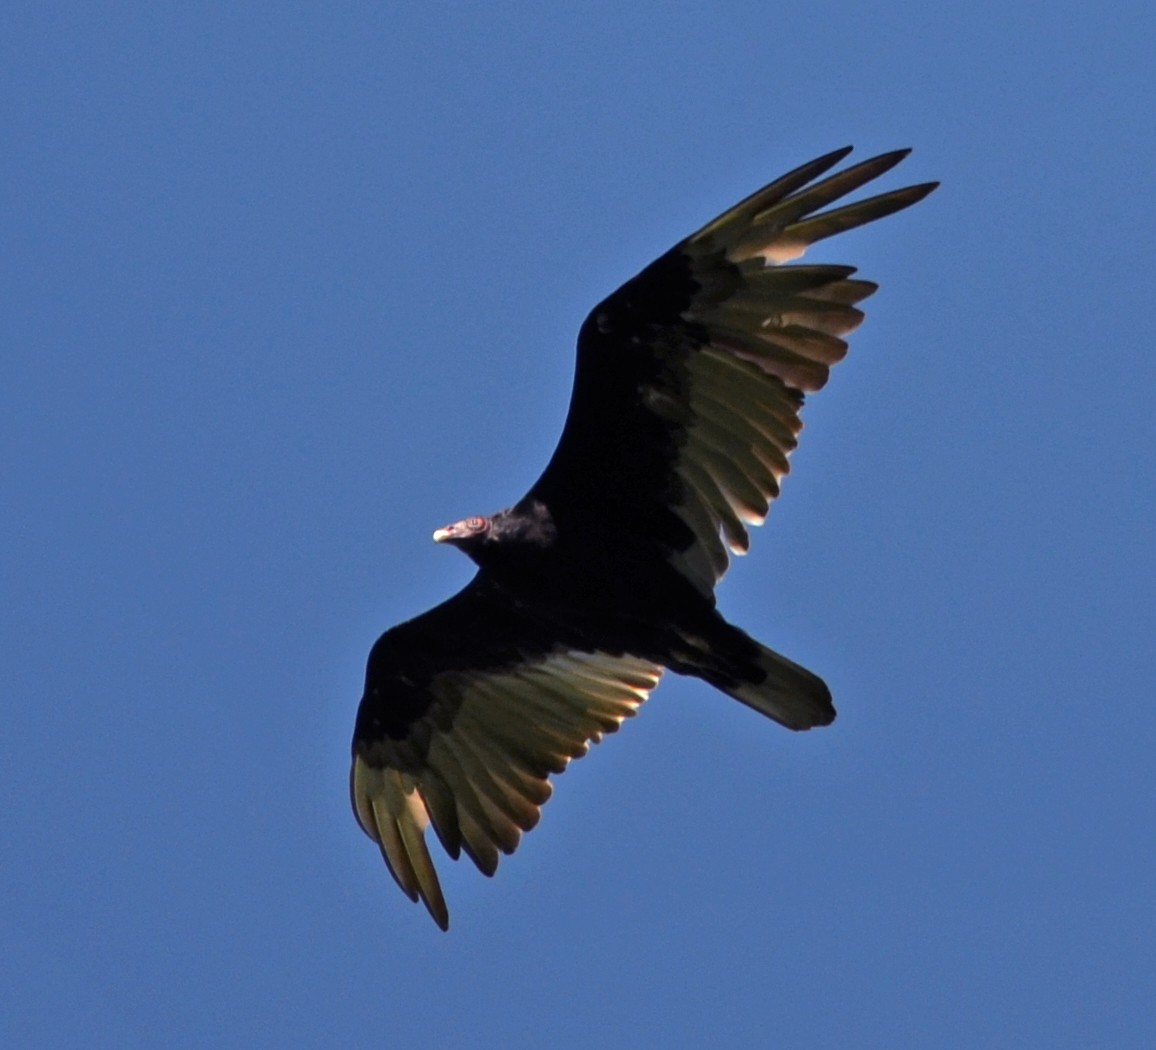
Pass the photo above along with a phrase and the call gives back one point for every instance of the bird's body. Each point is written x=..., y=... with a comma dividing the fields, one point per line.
x=685, y=406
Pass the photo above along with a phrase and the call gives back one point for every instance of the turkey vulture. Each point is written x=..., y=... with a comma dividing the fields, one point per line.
x=685, y=407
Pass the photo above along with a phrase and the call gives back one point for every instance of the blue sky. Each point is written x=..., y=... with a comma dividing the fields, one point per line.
x=286, y=288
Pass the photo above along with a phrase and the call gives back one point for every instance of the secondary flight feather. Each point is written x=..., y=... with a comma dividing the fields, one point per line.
x=685, y=408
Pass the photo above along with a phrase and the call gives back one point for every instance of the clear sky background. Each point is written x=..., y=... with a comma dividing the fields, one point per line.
x=285, y=287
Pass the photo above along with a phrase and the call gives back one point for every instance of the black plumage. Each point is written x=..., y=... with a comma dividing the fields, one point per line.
x=685, y=407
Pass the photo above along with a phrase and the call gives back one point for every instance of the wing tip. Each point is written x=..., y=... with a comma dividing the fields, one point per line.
x=834, y=157
x=441, y=916
x=396, y=819
x=921, y=190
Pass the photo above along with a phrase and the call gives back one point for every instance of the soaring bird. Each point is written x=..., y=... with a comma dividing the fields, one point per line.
x=685, y=407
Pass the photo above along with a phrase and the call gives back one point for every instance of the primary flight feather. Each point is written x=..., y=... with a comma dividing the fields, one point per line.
x=685, y=408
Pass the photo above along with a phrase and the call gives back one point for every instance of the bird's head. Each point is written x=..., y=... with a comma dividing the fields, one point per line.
x=466, y=535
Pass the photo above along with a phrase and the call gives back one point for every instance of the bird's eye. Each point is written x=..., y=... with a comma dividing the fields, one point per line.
x=475, y=524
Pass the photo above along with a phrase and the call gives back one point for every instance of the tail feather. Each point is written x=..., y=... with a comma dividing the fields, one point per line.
x=788, y=693
x=757, y=676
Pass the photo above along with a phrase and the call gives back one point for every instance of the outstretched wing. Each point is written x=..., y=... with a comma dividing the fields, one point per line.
x=690, y=377
x=467, y=711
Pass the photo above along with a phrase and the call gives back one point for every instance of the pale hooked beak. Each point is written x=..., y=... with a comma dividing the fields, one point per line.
x=459, y=532
x=450, y=533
